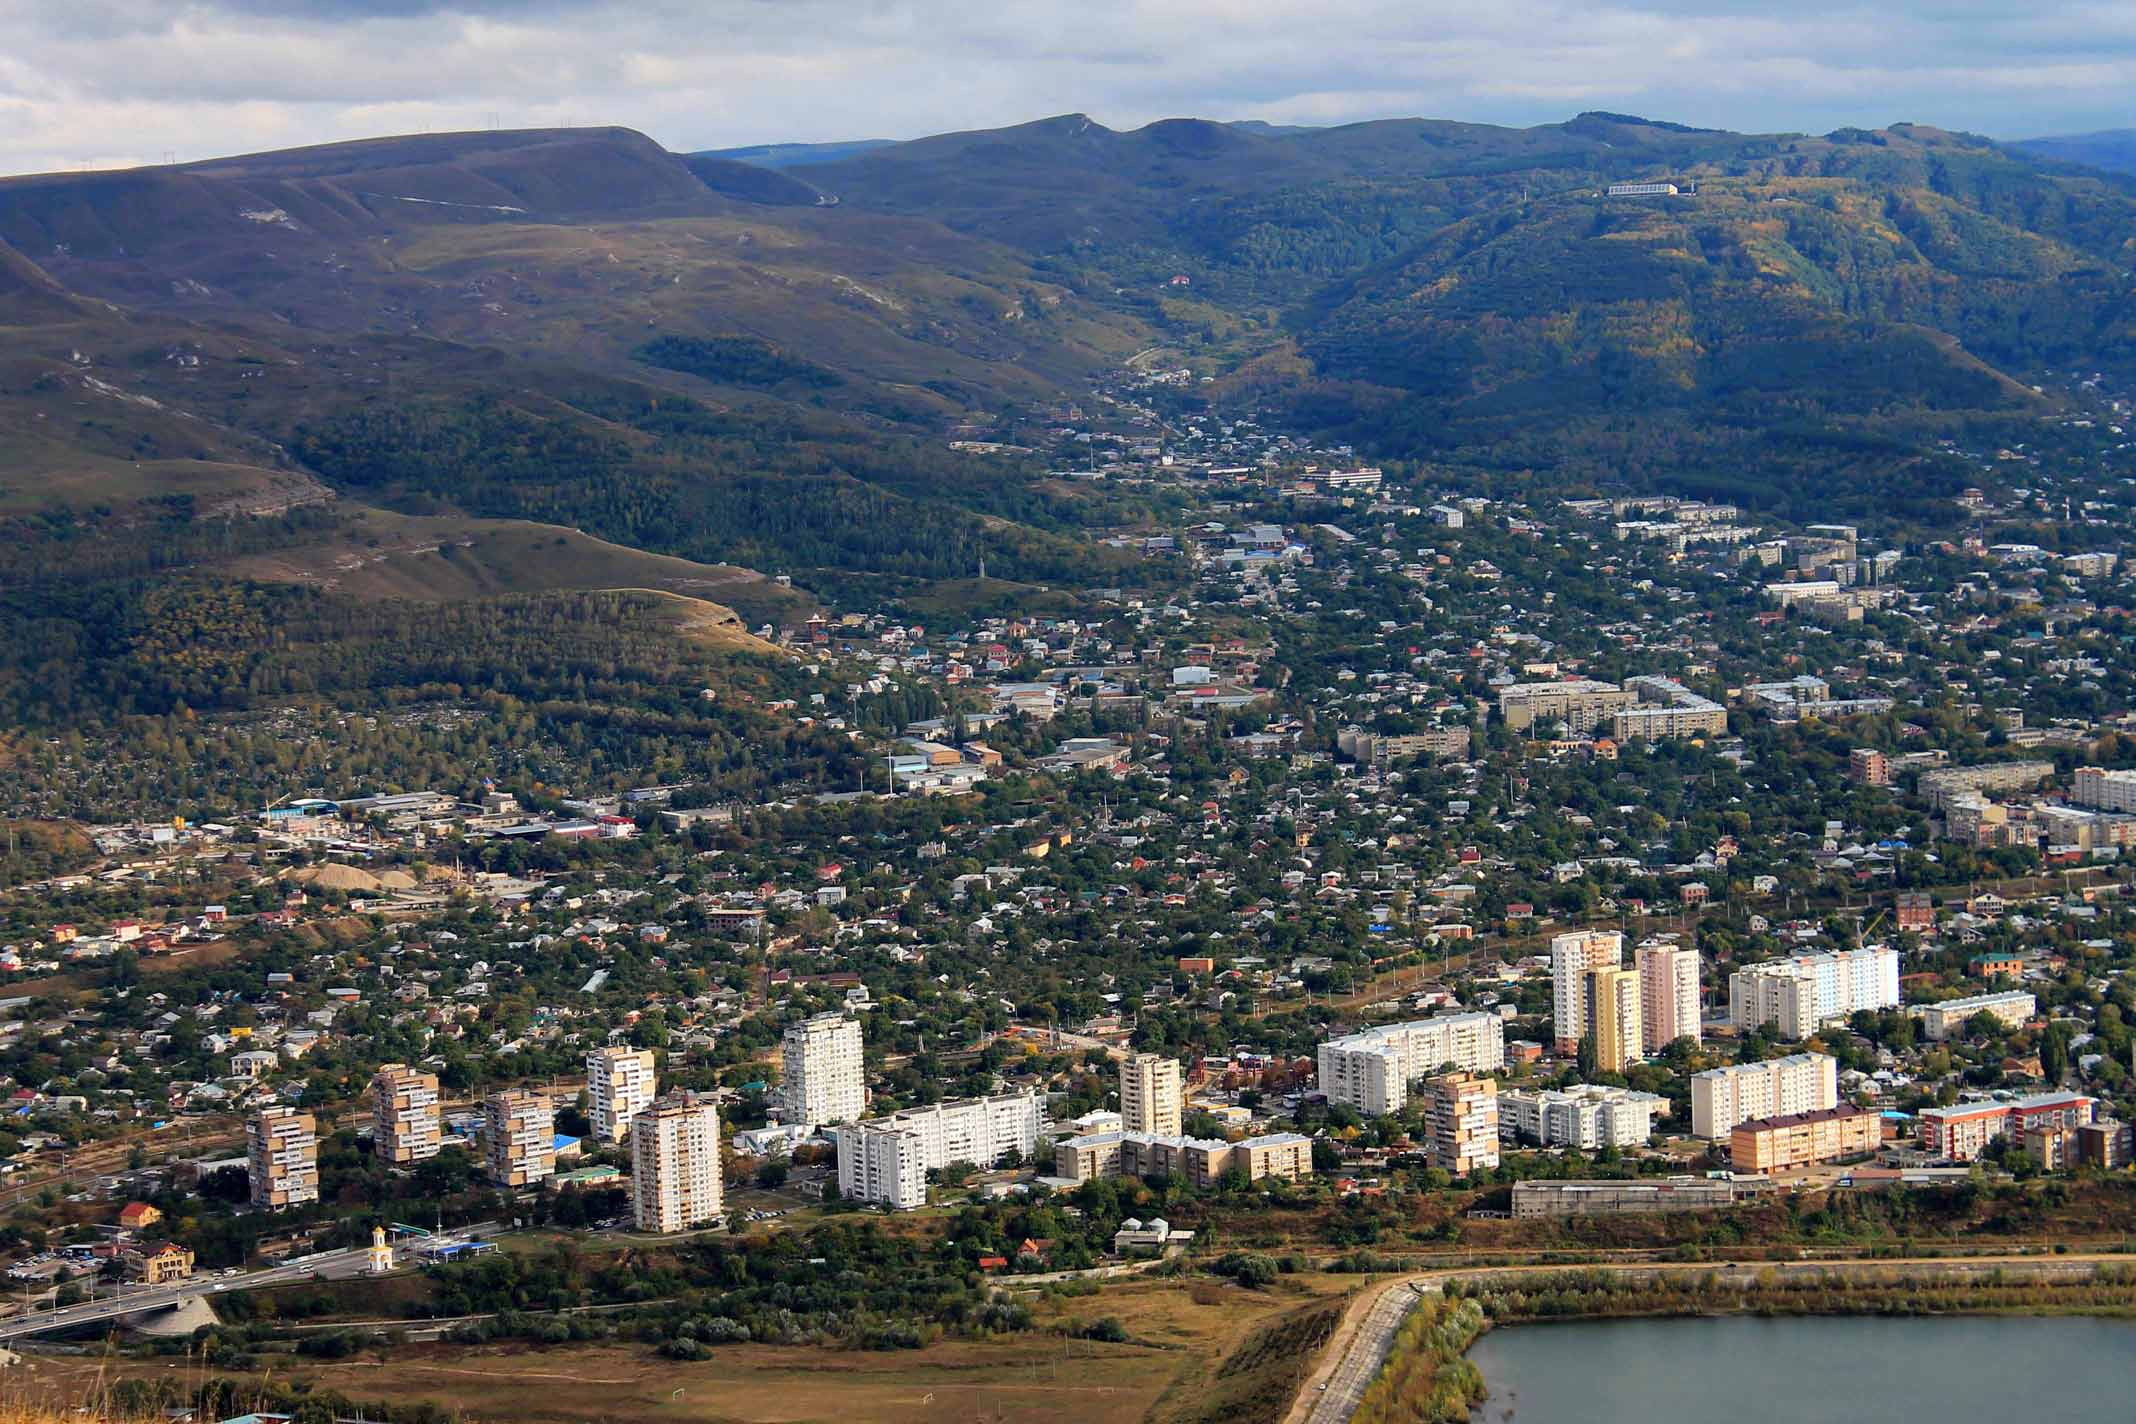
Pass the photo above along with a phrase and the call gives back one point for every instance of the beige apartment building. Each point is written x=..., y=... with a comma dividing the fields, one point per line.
x=282, y=1157
x=1668, y=995
x=405, y=1125
x=1150, y=1095
x=1461, y=1120
x=519, y=1138
x=674, y=1164
x=1581, y=703
x=1787, y=1144
x=1573, y=955
x=620, y=1083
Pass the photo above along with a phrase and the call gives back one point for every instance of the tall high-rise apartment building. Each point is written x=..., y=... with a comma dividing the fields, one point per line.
x=621, y=1084
x=1668, y=995
x=1572, y=955
x=823, y=1078
x=282, y=1155
x=1798, y=993
x=1150, y=1095
x=1746, y=1092
x=405, y=1126
x=886, y=1160
x=519, y=1138
x=1613, y=1017
x=675, y=1179
x=1461, y=1123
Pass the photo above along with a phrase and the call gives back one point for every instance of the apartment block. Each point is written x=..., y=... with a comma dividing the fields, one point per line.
x=1588, y=1116
x=1197, y=1161
x=1666, y=708
x=1941, y=1021
x=282, y=1158
x=1964, y=1131
x=1371, y=1070
x=405, y=1126
x=1581, y=703
x=824, y=1079
x=622, y=1083
x=1150, y=1095
x=1797, y=994
x=1869, y=767
x=675, y=1181
x=1777, y=1087
x=519, y=1138
x=1798, y=1140
x=1613, y=1017
x=886, y=1160
x=1668, y=995
x=2104, y=790
x=1572, y=956
x=1461, y=1123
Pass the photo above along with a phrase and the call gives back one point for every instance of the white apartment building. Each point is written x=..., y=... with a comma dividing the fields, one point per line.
x=1572, y=955
x=1668, y=995
x=886, y=1160
x=1940, y=1021
x=1588, y=1116
x=1797, y=994
x=519, y=1136
x=1371, y=1070
x=1745, y=1092
x=622, y=1083
x=675, y=1180
x=823, y=1078
x=2104, y=790
x=405, y=1125
x=282, y=1157
x=1150, y=1099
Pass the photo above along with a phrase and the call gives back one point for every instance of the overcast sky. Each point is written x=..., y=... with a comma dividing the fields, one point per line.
x=111, y=82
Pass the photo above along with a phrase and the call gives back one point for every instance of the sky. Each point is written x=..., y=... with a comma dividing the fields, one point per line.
x=110, y=83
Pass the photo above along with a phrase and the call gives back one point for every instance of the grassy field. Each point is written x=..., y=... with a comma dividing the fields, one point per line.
x=1197, y=1351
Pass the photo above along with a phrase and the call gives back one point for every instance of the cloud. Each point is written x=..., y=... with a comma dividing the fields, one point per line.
x=107, y=82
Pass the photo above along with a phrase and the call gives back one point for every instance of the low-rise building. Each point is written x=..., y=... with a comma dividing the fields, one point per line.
x=1589, y=1116
x=1950, y=1017
x=1640, y=1194
x=1798, y=1140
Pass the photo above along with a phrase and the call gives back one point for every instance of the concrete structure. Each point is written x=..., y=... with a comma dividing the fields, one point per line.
x=1941, y=1021
x=1581, y=703
x=621, y=1082
x=1964, y=1131
x=1869, y=767
x=405, y=1126
x=1588, y=1116
x=1639, y=1194
x=282, y=1158
x=1372, y=1070
x=1667, y=708
x=1668, y=995
x=886, y=1160
x=519, y=1138
x=1947, y=784
x=1797, y=994
x=675, y=1181
x=1198, y=1161
x=1372, y=749
x=2104, y=790
x=1777, y=1087
x=1150, y=1095
x=1613, y=1017
x=1572, y=956
x=1798, y=1140
x=824, y=1079
x=1461, y=1123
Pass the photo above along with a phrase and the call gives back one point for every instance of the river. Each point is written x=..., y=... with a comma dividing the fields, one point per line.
x=1809, y=1370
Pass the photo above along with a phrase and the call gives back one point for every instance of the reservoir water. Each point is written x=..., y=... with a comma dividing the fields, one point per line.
x=1810, y=1370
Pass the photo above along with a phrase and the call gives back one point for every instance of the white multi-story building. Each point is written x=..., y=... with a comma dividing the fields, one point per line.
x=1797, y=994
x=1588, y=1116
x=282, y=1157
x=622, y=1083
x=2104, y=790
x=1150, y=1095
x=674, y=1164
x=1572, y=955
x=1777, y=1087
x=823, y=1077
x=1372, y=1070
x=1940, y=1021
x=886, y=1160
x=1668, y=995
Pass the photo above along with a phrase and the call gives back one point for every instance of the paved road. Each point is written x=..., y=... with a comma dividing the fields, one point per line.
x=135, y=1300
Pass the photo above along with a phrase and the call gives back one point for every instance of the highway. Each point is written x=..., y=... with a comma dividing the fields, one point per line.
x=133, y=1300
